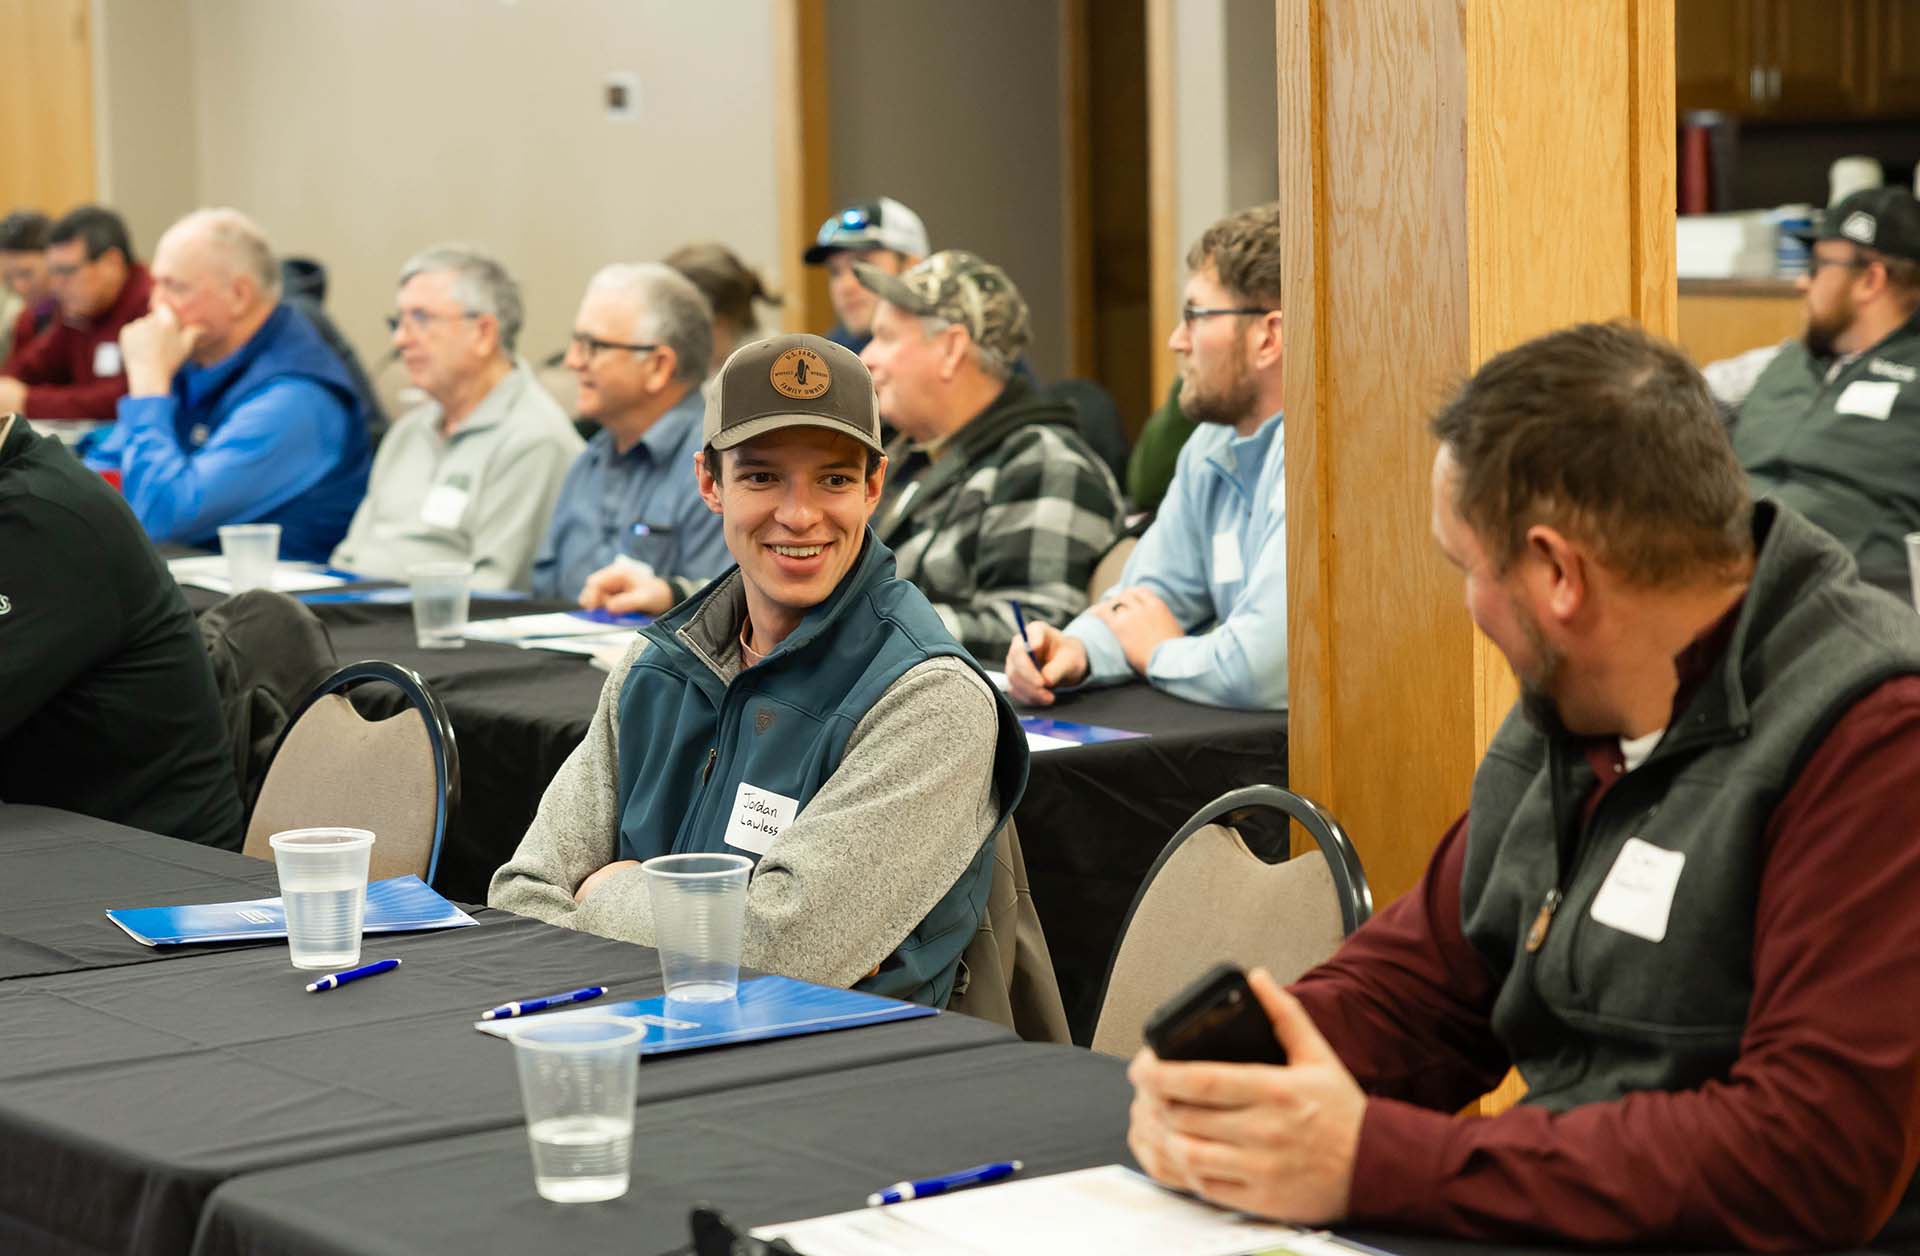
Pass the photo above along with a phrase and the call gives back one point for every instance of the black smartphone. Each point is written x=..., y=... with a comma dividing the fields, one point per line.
x=1216, y=1018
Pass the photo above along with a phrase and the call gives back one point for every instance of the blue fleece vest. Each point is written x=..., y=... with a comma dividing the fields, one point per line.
x=687, y=740
x=312, y=523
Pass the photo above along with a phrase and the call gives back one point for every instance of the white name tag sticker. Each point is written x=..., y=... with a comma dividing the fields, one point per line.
x=1227, y=568
x=1637, y=895
x=1869, y=398
x=759, y=816
x=444, y=508
x=106, y=360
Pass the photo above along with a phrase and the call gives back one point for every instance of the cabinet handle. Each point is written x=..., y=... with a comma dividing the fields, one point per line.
x=1756, y=83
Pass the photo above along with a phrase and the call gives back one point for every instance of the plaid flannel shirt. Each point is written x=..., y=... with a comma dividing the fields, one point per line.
x=1016, y=506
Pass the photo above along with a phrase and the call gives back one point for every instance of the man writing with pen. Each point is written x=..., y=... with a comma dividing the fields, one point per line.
x=808, y=710
x=629, y=531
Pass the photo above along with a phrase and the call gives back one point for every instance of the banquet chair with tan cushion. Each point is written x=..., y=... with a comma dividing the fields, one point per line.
x=398, y=777
x=1210, y=898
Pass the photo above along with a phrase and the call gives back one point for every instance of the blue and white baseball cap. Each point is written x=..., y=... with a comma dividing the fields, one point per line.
x=879, y=224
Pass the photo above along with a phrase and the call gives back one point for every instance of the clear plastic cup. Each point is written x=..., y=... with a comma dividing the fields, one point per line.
x=252, y=549
x=323, y=882
x=578, y=1075
x=699, y=906
x=1913, y=564
x=440, y=593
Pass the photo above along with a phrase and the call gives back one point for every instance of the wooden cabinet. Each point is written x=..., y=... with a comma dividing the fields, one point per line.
x=1798, y=60
x=1893, y=58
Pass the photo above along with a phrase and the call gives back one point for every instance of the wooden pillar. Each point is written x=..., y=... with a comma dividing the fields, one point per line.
x=46, y=106
x=801, y=151
x=1456, y=176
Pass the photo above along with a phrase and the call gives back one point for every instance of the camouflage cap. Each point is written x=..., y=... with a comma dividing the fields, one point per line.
x=962, y=288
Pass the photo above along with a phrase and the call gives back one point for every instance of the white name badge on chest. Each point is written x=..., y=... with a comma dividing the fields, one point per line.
x=1637, y=895
x=759, y=816
x=1868, y=398
x=106, y=360
x=444, y=508
x=1227, y=568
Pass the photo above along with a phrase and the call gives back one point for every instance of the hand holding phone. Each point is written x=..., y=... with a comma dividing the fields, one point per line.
x=1218, y=1017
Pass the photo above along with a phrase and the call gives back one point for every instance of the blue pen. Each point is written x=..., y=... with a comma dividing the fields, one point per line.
x=1020, y=618
x=506, y=1010
x=332, y=980
x=980, y=1174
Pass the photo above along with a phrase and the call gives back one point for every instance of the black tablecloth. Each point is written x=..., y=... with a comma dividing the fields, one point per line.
x=1092, y=822
x=128, y=1093
x=780, y=1152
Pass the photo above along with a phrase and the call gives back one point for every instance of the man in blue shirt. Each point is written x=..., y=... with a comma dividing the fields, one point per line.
x=1201, y=609
x=236, y=411
x=630, y=532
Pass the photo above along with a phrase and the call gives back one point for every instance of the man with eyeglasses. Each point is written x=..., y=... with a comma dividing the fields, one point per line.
x=880, y=233
x=27, y=307
x=1201, y=608
x=1831, y=427
x=472, y=474
x=73, y=370
x=630, y=532
x=236, y=410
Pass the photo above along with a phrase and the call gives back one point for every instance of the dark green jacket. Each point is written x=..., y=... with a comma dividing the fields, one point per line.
x=688, y=738
x=1844, y=451
x=1155, y=455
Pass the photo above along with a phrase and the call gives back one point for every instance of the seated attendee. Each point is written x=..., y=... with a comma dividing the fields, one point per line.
x=73, y=370
x=883, y=234
x=474, y=473
x=107, y=702
x=811, y=681
x=994, y=496
x=236, y=411
x=630, y=523
x=732, y=288
x=1201, y=608
x=1829, y=425
x=27, y=305
x=1682, y=896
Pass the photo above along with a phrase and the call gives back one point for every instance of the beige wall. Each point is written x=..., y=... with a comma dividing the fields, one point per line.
x=961, y=121
x=358, y=131
x=1226, y=117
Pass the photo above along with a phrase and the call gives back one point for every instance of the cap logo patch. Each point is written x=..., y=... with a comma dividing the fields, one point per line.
x=801, y=374
x=1859, y=226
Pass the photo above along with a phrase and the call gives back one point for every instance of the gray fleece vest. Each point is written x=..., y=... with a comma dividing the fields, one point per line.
x=1596, y=1012
x=1844, y=452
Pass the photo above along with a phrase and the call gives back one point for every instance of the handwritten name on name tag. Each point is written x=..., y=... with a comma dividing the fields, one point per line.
x=759, y=816
x=1637, y=896
x=444, y=507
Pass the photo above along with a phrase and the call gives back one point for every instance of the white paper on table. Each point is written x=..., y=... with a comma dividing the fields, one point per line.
x=1111, y=1210
x=210, y=572
x=999, y=680
x=1040, y=741
x=519, y=628
x=590, y=646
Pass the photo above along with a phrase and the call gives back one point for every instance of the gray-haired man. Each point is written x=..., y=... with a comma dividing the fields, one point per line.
x=473, y=473
x=630, y=532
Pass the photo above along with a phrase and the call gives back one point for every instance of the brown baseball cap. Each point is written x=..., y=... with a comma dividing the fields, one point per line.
x=792, y=381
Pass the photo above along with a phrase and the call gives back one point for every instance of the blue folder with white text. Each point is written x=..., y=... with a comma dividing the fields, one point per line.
x=396, y=905
x=762, y=1008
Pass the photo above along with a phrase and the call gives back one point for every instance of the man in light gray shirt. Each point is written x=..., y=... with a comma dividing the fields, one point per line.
x=473, y=473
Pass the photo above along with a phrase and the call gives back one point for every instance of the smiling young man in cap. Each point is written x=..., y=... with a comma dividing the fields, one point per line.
x=1832, y=425
x=806, y=710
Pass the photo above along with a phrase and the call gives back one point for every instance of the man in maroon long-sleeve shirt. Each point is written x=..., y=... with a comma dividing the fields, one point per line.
x=1685, y=899
x=73, y=369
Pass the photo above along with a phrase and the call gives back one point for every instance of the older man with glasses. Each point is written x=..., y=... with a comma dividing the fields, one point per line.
x=630, y=532
x=474, y=472
x=1201, y=609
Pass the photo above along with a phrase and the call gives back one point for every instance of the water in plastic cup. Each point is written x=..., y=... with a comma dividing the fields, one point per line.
x=1913, y=559
x=251, y=549
x=323, y=882
x=440, y=604
x=577, y=1080
x=699, y=906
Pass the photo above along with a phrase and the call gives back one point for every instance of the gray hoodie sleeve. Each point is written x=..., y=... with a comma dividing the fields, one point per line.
x=882, y=841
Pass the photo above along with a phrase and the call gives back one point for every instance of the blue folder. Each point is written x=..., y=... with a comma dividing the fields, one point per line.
x=1068, y=730
x=762, y=1008
x=397, y=905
